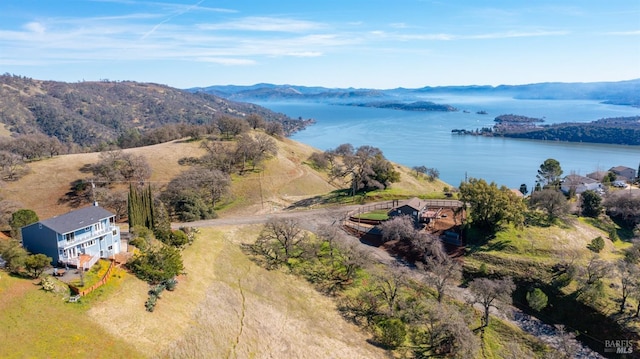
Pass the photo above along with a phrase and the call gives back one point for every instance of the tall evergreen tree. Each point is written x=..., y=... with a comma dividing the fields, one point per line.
x=140, y=207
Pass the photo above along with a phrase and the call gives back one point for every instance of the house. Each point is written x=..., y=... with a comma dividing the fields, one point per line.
x=623, y=173
x=579, y=184
x=78, y=238
x=598, y=175
x=413, y=207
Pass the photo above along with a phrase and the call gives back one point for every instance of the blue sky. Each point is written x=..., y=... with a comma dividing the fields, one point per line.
x=362, y=44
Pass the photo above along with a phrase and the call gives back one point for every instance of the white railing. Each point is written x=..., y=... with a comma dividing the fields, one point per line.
x=91, y=261
x=86, y=236
x=71, y=261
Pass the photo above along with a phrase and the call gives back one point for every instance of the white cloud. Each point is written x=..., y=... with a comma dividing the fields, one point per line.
x=227, y=61
x=624, y=33
x=305, y=54
x=35, y=27
x=264, y=24
x=512, y=34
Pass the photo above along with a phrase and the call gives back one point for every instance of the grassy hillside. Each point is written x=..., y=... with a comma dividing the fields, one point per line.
x=283, y=181
x=227, y=306
x=50, y=179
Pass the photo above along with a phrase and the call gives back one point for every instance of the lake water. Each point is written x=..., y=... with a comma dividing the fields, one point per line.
x=424, y=138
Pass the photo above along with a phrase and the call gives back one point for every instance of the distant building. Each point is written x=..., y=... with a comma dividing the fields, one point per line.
x=579, y=184
x=623, y=173
x=598, y=175
x=78, y=238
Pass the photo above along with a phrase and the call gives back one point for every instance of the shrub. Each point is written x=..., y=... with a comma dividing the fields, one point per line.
x=157, y=265
x=150, y=304
x=319, y=160
x=171, y=284
x=391, y=332
x=596, y=245
x=48, y=284
x=537, y=299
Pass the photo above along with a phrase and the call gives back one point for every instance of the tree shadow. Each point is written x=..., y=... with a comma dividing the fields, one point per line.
x=340, y=196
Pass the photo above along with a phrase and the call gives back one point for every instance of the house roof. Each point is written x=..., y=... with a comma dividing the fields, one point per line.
x=620, y=169
x=597, y=175
x=414, y=203
x=574, y=179
x=77, y=219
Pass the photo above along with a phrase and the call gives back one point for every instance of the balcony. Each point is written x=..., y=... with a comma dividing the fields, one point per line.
x=86, y=237
x=83, y=261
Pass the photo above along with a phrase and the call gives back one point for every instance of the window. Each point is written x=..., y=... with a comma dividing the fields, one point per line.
x=115, y=232
x=110, y=248
x=70, y=237
x=89, y=244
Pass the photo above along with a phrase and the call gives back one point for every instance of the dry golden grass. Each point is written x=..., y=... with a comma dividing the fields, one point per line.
x=4, y=131
x=50, y=179
x=229, y=307
x=282, y=180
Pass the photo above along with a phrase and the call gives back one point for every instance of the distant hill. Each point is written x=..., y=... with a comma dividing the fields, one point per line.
x=90, y=113
x=618, y=93
x=268, y=92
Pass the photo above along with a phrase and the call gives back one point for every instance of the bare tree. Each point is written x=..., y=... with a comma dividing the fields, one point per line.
x=231, y=126
x=281, y=239
x=441, y=330
x=117, y=165
x=550, y=200
x=400, y=228
x=274, y=128
x=115, y=201
x=12, y=166
x=489, y=293
x=209, y=185
x=430, y=247
x=255, y=149
x=419, y=170
x=256, y=121
x=441, y=272
x=590, y=279
x=219, y=156
x=388, y=285
x=628, y=274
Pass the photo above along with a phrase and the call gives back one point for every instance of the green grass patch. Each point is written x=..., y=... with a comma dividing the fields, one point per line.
x=93, y=275
x=377, y=215
x=39, y=324
x=498, y=334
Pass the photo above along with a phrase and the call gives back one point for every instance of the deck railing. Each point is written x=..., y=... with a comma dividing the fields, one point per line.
x=88, y=264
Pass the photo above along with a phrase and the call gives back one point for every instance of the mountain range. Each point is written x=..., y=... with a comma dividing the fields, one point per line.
x=618, y=93
x=89, y=113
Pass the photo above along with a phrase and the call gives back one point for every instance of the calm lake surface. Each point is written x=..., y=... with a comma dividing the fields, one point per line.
x=424, y=138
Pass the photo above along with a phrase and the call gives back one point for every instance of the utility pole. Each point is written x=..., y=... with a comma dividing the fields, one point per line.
x=93, y=193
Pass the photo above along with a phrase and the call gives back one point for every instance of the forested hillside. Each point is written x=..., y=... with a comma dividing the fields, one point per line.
x=91, y=113
x=619, y=131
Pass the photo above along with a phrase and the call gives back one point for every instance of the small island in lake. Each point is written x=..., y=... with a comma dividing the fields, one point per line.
x=413, y=106
x=616, y=130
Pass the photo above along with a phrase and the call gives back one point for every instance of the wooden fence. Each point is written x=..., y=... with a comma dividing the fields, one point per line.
x=97, y=285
